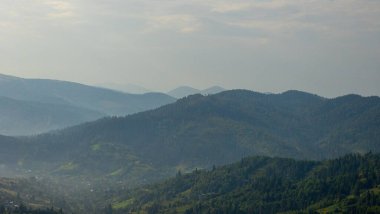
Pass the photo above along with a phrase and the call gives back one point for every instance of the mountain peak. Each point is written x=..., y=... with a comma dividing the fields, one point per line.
x=213, y=90
x=296, y=92
x=183, y=91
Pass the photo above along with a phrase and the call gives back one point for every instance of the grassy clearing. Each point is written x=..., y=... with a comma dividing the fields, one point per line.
x=122, y=204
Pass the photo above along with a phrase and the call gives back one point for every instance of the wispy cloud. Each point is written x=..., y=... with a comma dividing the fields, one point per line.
x=323, y=17
x=230, y=7
x=179, y=22
x=236, y=6
x=60, y=9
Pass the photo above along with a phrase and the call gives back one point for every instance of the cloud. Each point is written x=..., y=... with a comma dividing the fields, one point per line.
x=60, y=9
x=226, y=7
x=325, y=18
x=230, y=7
x=281, y=28
x=180, y=22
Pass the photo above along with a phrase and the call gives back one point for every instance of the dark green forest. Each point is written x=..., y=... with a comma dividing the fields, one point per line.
x=25, y=210
x=350, y=184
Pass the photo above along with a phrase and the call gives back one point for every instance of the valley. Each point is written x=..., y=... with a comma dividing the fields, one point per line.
x=189, y=107
x=254, y=184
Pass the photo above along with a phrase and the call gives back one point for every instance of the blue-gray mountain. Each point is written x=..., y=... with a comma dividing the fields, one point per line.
x=184, y=91
x=19, y=117
x=201, y=131
x=52, y=104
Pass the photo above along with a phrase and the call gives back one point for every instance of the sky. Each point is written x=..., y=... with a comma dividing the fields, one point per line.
x=326, y=47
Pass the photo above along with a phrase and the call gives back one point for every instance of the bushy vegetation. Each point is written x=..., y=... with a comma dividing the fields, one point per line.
x=350, y=184
x=22, y=209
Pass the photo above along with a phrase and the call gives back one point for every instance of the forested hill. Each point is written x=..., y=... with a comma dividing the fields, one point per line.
x=201, y=131
x=350, y=184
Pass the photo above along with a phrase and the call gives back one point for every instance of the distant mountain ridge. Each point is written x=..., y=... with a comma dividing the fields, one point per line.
x=184, y=91
x=63, y=92
x=85, y=99
x=126, y=88
x=200, y=131
x=28, y=117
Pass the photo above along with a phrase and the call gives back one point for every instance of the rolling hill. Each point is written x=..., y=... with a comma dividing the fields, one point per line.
x=65, y=103
x=62, y=92
x=28, y=117
x=201, y=131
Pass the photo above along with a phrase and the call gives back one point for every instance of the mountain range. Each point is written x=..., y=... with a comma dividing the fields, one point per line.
x=91, y=167
x=126, y=88
x=184, y=91
x=53, y=104
x=198, y=132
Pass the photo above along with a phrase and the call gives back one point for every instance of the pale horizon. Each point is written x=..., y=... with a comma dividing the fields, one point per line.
x=148, y=90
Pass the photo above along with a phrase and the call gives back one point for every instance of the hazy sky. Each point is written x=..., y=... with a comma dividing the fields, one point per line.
x=328, y=47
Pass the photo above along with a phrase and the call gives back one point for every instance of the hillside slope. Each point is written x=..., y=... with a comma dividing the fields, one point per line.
x=201, y=131
x=350, y=184
x=62, y=92
x=19, y=117
x=33, y=106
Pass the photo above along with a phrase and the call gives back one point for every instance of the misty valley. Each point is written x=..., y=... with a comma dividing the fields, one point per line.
x=74, y=148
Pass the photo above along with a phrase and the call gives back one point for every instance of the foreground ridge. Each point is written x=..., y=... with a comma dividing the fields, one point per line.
x=350, y=184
